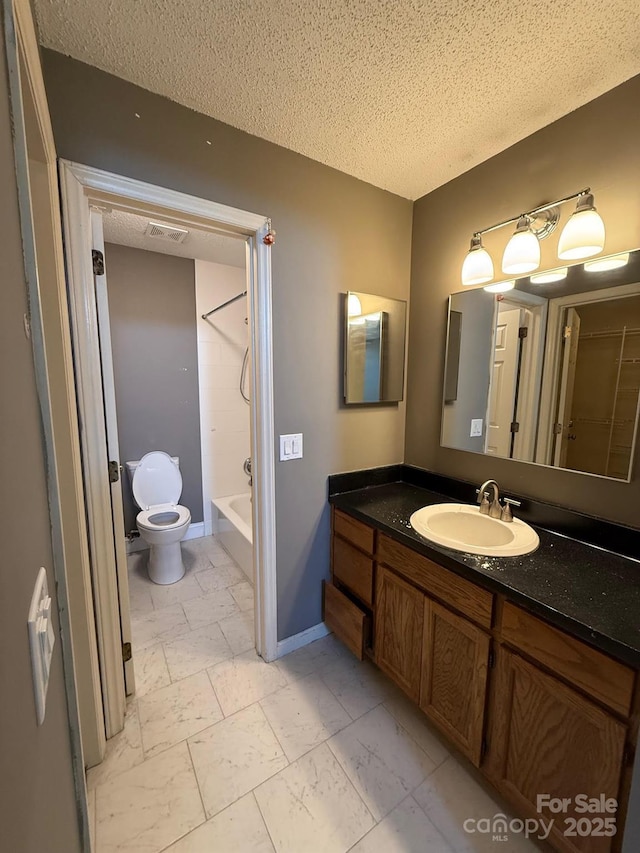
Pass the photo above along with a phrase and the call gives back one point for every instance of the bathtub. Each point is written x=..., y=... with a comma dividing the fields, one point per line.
x=232, y=524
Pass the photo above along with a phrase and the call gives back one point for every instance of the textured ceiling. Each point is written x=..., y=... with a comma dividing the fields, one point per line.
x=404, y=94
x=127, y=229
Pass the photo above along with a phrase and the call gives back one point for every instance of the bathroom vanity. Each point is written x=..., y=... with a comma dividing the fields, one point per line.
x=528, y=665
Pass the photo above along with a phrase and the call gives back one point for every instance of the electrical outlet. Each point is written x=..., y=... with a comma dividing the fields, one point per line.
x=476, y=427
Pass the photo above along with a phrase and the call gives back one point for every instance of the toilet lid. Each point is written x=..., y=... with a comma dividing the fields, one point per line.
x=156, y=480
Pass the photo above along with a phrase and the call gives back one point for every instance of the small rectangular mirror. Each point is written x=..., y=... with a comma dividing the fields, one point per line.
x=375, y=328
x=549, y=371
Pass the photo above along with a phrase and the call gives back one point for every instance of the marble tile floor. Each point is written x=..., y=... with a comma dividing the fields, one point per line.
x=224, y=753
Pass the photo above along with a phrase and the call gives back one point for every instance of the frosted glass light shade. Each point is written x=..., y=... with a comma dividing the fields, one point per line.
x=549, y=277
x=522, y=253
x=477, y=266
x=354, y=307
x=583, y=235
x=610, y=263
x=500, y=286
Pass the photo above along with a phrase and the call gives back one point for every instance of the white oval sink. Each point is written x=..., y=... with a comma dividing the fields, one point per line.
x=464, y=528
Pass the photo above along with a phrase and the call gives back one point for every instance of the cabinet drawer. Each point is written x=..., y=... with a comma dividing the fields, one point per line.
x=354, y=569
x=345, y=619
x=454, y=591
x=354, y=531
x=594, y=672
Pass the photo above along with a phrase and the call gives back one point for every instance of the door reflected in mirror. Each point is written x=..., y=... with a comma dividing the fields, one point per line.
x=548, y=372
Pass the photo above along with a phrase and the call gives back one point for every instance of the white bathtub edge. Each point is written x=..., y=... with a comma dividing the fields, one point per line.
x=290, y=644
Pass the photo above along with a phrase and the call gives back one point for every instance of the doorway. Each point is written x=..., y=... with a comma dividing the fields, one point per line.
x=90, y=197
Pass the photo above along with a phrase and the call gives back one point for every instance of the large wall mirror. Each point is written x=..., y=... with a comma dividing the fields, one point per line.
x=549, y=371
x=374, y=348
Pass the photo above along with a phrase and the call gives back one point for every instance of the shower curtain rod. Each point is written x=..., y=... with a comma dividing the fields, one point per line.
x=224, y=304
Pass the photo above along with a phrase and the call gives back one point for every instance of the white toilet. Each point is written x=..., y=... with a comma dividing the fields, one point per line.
x=162, y=522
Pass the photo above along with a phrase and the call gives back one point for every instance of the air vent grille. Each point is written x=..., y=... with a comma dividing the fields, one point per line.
x=159, y=231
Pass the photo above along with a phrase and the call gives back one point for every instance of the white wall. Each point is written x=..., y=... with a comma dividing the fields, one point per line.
x=224, y=415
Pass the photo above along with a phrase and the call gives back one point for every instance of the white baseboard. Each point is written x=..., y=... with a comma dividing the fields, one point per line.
x=195, y=531
x=302, y=639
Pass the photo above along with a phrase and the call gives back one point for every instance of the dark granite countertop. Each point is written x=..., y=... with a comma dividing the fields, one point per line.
x=590, y=592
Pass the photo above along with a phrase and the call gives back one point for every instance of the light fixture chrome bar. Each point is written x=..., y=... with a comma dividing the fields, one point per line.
x=224, y=304
x=540, y=209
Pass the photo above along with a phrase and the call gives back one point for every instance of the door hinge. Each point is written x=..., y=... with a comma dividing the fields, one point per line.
x=523, y=331
x=98, y=262
x=126, y=652
x=114, y=472
x=515, y=426
x=566, y=332
x=492, y=659
x=557, y=429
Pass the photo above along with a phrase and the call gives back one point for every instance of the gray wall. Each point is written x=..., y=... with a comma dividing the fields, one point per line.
x=335, y=233
x=37, y=804
x=595, y=146
x=152, y=311
x=474, y=371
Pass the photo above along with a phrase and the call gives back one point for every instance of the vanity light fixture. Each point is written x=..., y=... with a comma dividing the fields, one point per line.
x=522, y=253
x=354, y=306
x=478, y=266
x=500, y=286
x=611, y=263
x=581, y=237
x=549, y=277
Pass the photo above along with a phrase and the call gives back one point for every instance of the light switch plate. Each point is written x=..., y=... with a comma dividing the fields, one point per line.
x=41, y=641
x=476, y=427
x=291, y=446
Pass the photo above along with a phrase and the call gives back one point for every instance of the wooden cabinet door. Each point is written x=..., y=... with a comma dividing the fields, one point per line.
x=546, y=738
x=398, y=630
x=455, y=657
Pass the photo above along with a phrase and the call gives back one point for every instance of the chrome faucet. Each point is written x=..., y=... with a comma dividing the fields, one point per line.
x=246, y=467
x=493, y=508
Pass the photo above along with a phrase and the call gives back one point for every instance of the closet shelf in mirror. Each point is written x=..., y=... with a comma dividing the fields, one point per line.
x=609, y=333
x=604, y=421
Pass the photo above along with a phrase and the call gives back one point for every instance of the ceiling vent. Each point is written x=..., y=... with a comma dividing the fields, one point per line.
x=166, y=232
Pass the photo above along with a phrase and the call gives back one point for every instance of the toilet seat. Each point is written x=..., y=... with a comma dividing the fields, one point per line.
x=145, y=518
x=156, y=481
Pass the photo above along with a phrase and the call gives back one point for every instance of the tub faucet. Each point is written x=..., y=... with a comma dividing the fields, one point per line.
x=493, y=509
x=246, y=467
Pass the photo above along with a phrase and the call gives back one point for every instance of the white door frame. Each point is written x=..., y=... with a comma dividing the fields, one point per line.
x=113, y=449
x=536, y=308
x=82, y=186
x=552, y=361
x=48, y=325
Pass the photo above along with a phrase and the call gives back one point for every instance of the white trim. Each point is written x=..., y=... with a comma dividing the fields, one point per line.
x=316, y=632
x=23, y=53
x=93, y=436
x=97, y=185
x=259, y=300
x=113, y=447
x=128, y=189
x=195, y=531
